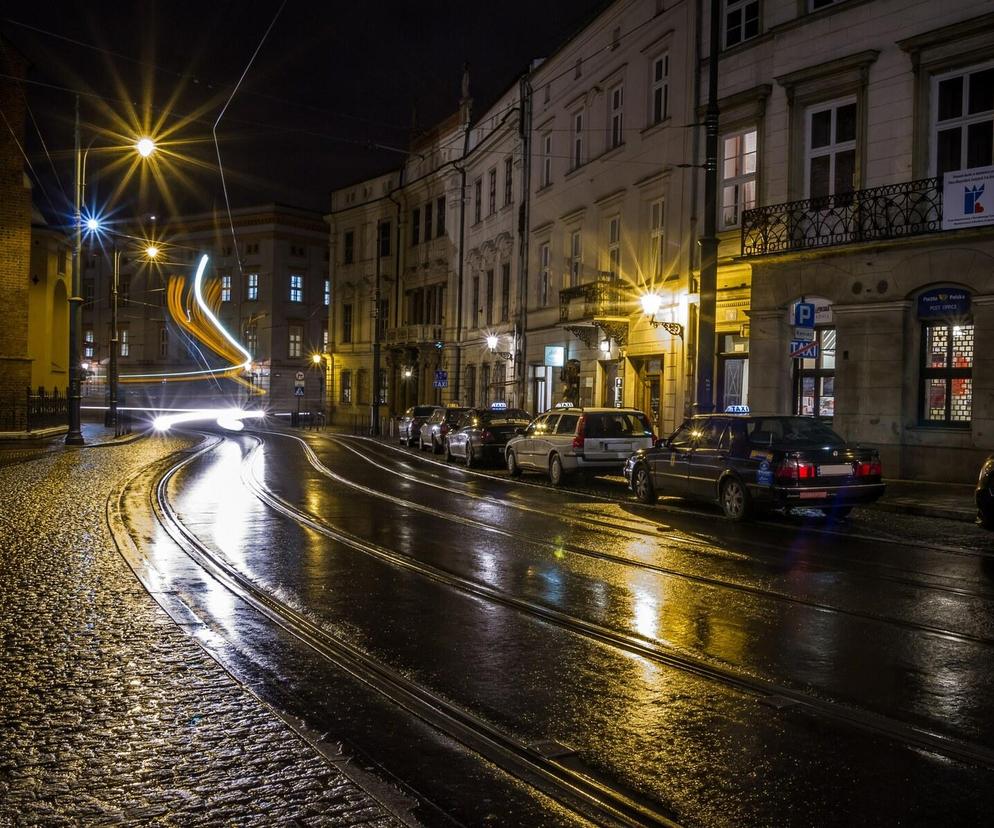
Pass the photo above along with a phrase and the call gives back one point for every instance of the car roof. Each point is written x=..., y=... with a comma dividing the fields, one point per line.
x=593, y=410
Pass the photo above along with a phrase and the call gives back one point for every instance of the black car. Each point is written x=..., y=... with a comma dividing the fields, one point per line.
x=482, y=433
x=409, y=425
x=748, y=462
x=985, y=494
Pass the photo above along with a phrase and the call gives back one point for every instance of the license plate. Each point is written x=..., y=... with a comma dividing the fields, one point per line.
x=626, y=447
x=812, y=495
x=835, y=470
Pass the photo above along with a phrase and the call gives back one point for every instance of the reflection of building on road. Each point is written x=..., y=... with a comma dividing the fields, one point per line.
x=274, y=299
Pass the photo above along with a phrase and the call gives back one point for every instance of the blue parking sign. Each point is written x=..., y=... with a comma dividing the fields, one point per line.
x=804, y=315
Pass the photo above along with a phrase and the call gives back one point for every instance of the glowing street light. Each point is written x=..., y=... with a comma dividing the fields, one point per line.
x=651, y=303
x=151, y=251
x=145, y=147
x=93, y=225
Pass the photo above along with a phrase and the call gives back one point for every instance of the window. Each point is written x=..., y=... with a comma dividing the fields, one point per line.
x=814, y=379
x=576, y=141
x=88, y=290
x=164, y=341
x=124, y=340
x=226, y=287
x=659, y=107
x=490, y=297
x=505, y=292
x=124, y=289
x=415, y=226
x=476, y=302
x=508, y=180
x=657, y=240
x=617, y=116
x=296, y=287
x=947, y=373
x=492, y=199
x=251, y=338
x=614, y=248
x=295, y=250
x=575, y=258
x=547, y=159
x=440, y=217
x=346, y=388
x=327, y=292
x=733, y=371
x=738, y=176
x=295, y=342
x=543, y=279
x=485, y=390
x=741, y=21
x=831, y=149
x=252, y=286
x=347, y=323
x=88, y=344
x=963, y=134
x=348, y=247
x=478, y=200
x=384, y=231
x=253, y=249
x=324, y=338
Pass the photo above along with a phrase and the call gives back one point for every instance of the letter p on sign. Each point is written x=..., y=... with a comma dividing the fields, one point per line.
x=804, y=315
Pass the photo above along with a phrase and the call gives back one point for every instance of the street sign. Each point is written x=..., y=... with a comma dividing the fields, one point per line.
x=441, y=379
x=298, y=383
x=803, y=350
x=299, y=376
x=804, y=315
x=298, y=391
x=804, y=334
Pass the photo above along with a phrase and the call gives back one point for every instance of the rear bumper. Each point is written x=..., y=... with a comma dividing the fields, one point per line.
x=817, y=496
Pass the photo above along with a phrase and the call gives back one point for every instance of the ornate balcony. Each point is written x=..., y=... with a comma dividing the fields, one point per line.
x=595, y=306
x=891, y=212
x=413, y=335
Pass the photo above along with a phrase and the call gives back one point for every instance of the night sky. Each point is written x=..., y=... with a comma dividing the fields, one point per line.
x=330, y=81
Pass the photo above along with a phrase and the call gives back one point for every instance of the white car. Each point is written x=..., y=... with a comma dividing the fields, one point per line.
x=567, y=440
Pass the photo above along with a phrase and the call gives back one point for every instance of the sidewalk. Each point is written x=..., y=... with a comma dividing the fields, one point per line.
x=111, y=713
x=952, y=501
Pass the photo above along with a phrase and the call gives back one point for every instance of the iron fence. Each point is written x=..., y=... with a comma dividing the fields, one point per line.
x=602, y=297
x=894, y=211
x=33, y=410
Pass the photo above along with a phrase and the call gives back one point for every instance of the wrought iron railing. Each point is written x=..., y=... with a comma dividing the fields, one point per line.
x=31, y=410
x=413, y=334
x=890, y=212
x=600, y=298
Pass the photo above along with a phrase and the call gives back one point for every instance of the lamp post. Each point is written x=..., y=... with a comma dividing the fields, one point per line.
x=319, y=361
x=111, y=418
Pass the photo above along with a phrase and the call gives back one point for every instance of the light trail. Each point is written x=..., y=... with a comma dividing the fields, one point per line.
x=228, y=418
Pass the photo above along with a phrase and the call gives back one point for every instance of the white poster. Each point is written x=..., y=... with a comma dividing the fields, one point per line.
x=968, y=198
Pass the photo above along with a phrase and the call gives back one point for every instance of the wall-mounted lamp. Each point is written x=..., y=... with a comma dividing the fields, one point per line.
x=492, y=342
x=651, y=303
x=605, y=346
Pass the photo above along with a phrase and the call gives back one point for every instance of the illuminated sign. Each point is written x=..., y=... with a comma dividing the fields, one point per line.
x=555, y=355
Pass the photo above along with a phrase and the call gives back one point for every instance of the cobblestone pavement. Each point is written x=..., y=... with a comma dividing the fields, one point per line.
x=109, y=713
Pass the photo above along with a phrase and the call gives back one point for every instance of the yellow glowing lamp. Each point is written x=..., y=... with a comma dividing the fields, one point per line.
x=316, y=359
x=151, y=251
x=145, y=147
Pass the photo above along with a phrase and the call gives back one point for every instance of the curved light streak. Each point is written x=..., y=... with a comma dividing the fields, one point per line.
x=229, y=418
x=246, y=365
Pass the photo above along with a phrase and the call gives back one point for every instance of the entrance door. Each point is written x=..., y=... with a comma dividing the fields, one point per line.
x=609, y=377
x=650, y=377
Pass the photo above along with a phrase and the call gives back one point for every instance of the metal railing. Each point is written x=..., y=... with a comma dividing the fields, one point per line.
x=600, y=298
x=412, y=334
x=891, y=212
x=32, y=410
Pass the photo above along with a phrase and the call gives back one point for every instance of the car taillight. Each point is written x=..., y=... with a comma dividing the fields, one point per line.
x=790, y=469
x=868, y=468
x=486, y=436
x=581, y=430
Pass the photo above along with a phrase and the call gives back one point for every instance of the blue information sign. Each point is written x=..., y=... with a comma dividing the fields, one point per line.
x=944, y=303
x=804, y=315
x=441, y=379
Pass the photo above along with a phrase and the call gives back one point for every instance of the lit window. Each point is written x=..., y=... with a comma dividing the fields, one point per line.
x=738, y=176
x=88, y=344
x=252, y=287
x=327, y=292
x=124, y=340
x=295, y=343
x=947, y=373
x=226, y=288
x=296, y=288
x=575, y=258
x=346, y=388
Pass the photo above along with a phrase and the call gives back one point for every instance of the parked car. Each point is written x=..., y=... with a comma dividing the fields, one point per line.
x=985, y=494
x=409, y=425
x=745, y=462
x=434, y=429
x=567, y=440
x=482, y=433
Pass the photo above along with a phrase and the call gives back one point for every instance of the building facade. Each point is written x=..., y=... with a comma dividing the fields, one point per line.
x=852, y=115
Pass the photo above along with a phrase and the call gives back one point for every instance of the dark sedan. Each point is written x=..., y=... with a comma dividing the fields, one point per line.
x=482, y=433
x=440, y=423
x=985, y=494
x=409, y=425
x=749, y=462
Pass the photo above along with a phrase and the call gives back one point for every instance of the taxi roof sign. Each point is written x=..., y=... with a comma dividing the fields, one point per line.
x=498, y=406
x=737, y=409
x=564, y=405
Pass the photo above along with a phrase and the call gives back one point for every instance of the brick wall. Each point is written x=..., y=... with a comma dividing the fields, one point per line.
x=15, y=231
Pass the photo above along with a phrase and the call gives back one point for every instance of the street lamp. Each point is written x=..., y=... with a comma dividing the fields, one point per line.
x=492, y=342
x=318, y=359
x=651, y=303
x=145, y=147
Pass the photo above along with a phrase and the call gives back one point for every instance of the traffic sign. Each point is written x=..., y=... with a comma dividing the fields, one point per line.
x=804, y=334
x=804, y=315
x=299, y=376
x=803, y=350
x=298, y=391
x=441, y=379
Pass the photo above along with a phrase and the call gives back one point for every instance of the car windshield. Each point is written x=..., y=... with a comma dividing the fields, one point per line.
x=510, y=415
x=792, y=430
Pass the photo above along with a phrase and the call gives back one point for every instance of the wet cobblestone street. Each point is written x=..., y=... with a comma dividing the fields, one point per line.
x=109, y=712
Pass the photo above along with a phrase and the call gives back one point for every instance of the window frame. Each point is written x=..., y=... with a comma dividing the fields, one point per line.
x=492, y=193
x=659, y=89
x=614, y=248
x=575, y=258
x=616, y=115
x=296, y=287
x=294, y=340
x=478, y=200
x=545, y=273
x=739, y=7
x=949, y=373
x=833, y=148
x=576, y=138
x=348, y=323
x=252, y=287
x=657, y=237
x=962, y=122
x=508, y=180
x=546, y=179
x=225, y=287
x=740, y=180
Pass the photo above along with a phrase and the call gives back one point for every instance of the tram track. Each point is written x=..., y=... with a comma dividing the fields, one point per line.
x=713, y=582
x=550, y=768
x=766, y=691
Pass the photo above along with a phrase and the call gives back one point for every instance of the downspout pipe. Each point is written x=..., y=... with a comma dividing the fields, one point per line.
x=524, y=134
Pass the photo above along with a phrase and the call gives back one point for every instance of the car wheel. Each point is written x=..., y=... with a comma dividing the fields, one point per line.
x=470, y=456
x=448, y=452
x=556, y=472
x=642, y=484
x=734, y=499
x=512, y=465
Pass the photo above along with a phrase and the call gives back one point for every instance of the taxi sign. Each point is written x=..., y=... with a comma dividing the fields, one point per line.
x=563, y=405
x=498, y=406
x=737, y=409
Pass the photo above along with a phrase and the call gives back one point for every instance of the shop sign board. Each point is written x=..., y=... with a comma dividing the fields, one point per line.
x=944, y=303
x=968, y=198
x=555, y=356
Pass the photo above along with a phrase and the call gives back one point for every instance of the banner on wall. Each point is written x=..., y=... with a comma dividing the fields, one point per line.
x=968, y=198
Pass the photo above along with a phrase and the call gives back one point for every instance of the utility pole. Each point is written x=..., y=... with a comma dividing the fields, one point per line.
x=709, y=241
x=112, y=373
x=375, y=418
x=74, y=437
